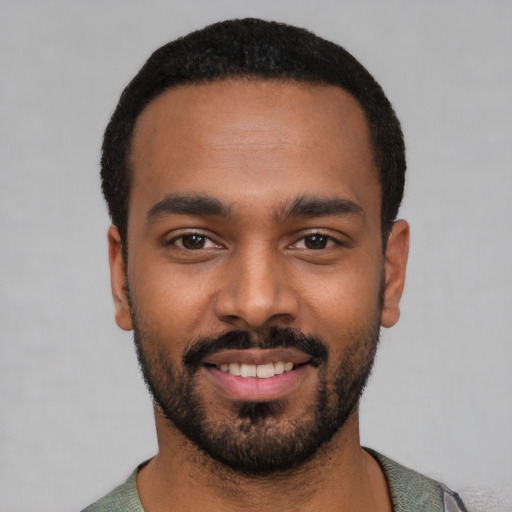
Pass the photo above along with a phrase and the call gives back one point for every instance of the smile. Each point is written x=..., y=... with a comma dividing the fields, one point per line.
x=260, y=371
x=257, y=374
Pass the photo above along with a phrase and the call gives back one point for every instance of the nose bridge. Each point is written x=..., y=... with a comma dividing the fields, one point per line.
x=256, y=290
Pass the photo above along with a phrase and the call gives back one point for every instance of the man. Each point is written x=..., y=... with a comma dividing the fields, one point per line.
x=253, y=173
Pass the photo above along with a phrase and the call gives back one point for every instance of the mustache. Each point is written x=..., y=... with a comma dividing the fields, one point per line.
x=274, y=337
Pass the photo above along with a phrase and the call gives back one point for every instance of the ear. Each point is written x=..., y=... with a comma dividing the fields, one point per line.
x=395, y=262
x=118, y=280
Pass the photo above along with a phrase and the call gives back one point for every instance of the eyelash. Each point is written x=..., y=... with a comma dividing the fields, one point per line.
x=329, y=240
x=183, y=236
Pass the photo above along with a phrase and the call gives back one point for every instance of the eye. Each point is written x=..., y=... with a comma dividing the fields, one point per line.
x=315, y=241
x=194, y=242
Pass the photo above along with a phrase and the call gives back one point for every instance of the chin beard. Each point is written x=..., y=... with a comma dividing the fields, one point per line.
x=262, y=439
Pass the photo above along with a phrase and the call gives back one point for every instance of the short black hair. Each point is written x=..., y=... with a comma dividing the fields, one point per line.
x=261, y=49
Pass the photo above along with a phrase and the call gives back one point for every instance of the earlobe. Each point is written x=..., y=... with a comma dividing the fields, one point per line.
x=118, y=280
x=395, y=263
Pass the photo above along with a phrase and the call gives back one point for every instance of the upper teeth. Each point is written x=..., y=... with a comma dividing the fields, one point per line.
x=263, y=371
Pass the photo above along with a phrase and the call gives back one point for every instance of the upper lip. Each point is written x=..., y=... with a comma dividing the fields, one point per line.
x=257, y=356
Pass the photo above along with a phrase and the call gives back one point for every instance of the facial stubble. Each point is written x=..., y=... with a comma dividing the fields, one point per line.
x=262, y=439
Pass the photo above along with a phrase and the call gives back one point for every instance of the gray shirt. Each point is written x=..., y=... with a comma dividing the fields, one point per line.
x=410, y=492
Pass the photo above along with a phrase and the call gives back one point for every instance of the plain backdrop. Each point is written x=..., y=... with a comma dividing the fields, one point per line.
x=75, y=416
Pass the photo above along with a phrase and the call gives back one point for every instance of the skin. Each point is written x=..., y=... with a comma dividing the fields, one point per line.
x=255, y=146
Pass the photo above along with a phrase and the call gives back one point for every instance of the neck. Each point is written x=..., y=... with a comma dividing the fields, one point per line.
x=340, y=477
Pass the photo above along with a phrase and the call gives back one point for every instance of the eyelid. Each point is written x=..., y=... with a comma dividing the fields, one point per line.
x=190, y=232
x=336, y=240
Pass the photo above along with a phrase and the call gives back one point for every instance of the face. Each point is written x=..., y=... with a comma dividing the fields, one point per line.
x=257, y=281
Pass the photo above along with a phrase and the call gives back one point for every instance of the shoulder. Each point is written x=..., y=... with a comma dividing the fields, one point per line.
x=414, y=492
x=123, y=498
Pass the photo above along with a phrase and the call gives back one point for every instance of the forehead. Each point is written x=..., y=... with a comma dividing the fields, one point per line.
x=252, y=137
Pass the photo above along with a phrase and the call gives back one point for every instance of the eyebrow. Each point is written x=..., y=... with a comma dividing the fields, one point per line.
x=302, y=206
x=197, y=205
x=309, y=207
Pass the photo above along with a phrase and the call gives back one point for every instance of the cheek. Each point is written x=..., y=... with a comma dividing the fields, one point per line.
x=345, y=311
x=176, y=300
x=344, y=298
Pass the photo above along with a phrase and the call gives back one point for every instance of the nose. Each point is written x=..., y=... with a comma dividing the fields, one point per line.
x=256, y=292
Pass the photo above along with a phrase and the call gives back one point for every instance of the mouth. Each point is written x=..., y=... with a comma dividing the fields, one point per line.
x=257, y=374
x=260, y=371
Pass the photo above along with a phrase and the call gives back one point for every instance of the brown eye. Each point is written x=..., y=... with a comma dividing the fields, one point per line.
x=193, y=241
x=316, y=241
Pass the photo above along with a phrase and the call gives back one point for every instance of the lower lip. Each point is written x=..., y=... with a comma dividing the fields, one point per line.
x=253, y=389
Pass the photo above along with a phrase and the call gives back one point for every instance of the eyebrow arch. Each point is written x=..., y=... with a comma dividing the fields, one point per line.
x=306, y=206
x=187, y=205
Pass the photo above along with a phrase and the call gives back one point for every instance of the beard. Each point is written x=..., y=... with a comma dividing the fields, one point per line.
x=262, y=439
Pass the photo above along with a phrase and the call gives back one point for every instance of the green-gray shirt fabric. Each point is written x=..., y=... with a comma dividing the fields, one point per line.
x=410, y=492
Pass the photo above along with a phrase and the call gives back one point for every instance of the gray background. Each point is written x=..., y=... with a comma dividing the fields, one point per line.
x=75, y=416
